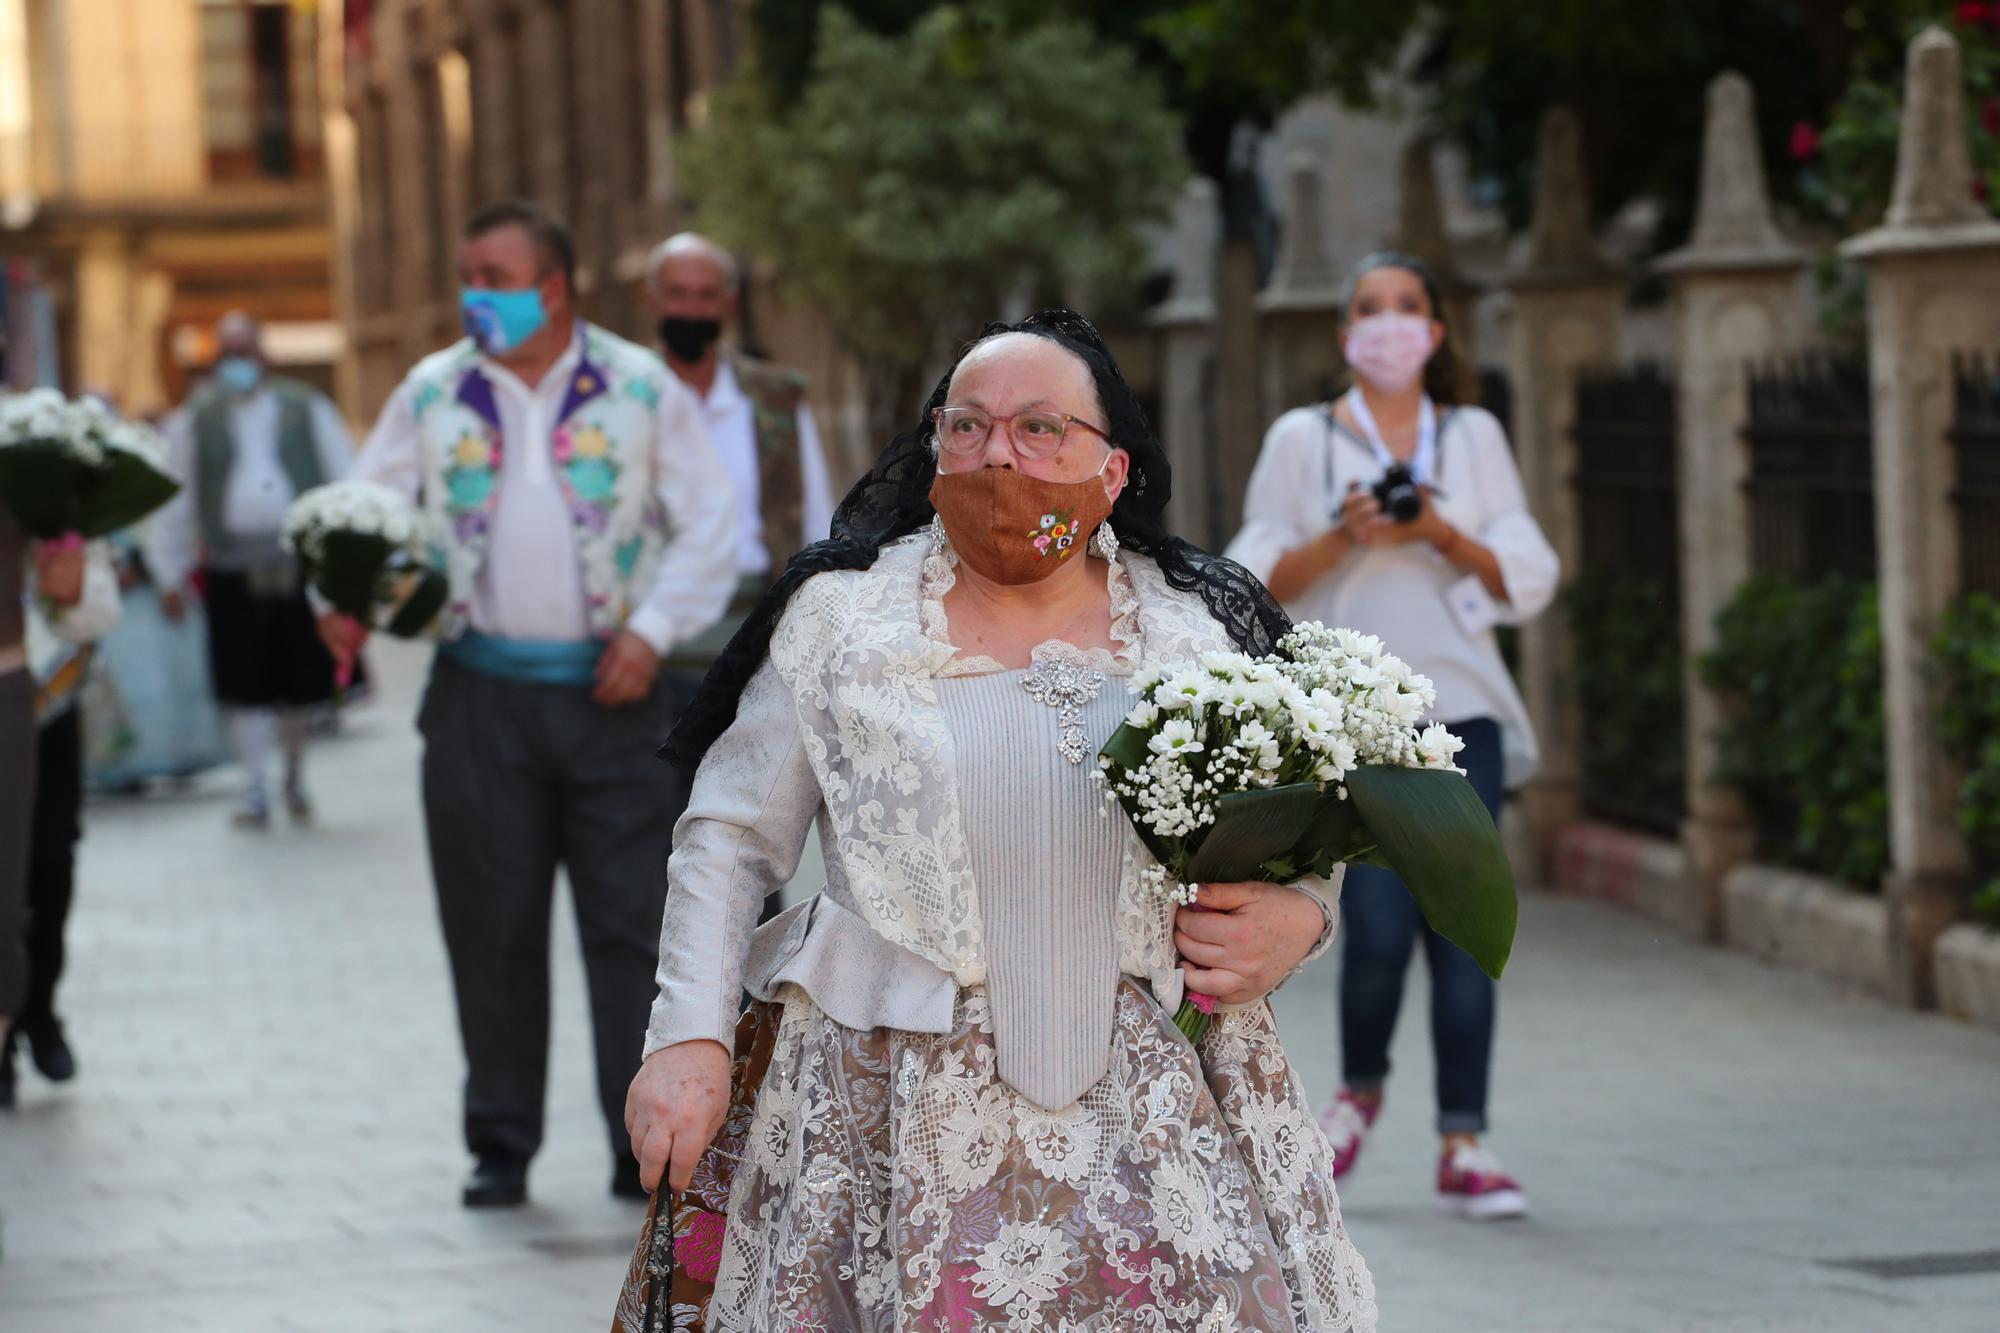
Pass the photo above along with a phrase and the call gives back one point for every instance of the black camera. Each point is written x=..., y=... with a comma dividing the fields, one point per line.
x=1398, y=495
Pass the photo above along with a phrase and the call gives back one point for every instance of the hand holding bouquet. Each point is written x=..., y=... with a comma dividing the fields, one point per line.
x=1275, y=768
x=363, y=548
x=74, y=469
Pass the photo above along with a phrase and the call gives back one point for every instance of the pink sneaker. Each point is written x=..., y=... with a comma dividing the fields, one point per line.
x=1472, y=1184
x=1346, y=1123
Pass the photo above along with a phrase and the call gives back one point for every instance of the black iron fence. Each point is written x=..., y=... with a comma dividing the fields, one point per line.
x=1812, y=480
x=1975, y=439
x=1623, y=604
x=1625, y=490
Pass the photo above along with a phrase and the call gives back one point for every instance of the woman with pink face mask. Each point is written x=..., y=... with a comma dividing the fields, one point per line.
x=1398, y=512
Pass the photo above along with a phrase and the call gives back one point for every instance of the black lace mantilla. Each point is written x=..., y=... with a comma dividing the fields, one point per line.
x=893, y=500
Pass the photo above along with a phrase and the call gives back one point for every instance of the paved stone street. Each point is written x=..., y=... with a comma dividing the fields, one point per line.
x=264, y=1134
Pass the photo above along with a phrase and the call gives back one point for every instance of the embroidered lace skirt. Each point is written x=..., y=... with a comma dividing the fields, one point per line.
x=889, y=1180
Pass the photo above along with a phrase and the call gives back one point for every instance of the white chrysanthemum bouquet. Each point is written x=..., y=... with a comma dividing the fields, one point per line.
x=365, y=548
x=72, y=469
x=1274, y=768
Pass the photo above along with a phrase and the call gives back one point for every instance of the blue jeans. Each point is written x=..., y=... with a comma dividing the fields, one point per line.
x=1381, y=924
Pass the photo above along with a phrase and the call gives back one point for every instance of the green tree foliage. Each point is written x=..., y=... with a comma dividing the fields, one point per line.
x=1847, y=170
x=1625, y=630
x=1487, y=70
x=1967, y=654
x=1803, y=743
x=921, y=179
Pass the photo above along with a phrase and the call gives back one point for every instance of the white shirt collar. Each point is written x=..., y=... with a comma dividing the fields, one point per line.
x=558, y=373
x=726, y=393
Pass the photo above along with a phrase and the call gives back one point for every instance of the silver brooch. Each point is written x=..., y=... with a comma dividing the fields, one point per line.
x=1063, y=679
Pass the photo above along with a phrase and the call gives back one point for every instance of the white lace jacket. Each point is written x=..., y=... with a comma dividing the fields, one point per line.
x=843, y=723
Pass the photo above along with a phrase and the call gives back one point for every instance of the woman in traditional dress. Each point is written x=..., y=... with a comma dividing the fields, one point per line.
x=959, y=1099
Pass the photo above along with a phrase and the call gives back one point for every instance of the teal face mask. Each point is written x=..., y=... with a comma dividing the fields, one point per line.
x=238, y=374
x=500, y=321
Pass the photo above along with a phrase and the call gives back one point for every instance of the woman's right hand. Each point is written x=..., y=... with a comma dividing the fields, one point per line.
x=673, y=1108
x=1359, y=510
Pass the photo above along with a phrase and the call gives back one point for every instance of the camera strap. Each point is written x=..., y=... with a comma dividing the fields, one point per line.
x=1423, y=463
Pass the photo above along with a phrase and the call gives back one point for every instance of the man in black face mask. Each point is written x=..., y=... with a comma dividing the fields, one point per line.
x=756, y=411
x=759, y=423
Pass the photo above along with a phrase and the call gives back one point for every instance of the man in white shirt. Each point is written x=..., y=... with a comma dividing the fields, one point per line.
x=587, y=528
x=756, y=411
x=245, y=446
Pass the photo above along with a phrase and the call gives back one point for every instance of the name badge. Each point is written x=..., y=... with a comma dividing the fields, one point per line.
x=1472, y=606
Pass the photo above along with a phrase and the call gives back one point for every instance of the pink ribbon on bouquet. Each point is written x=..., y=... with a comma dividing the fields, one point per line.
x=343, y=667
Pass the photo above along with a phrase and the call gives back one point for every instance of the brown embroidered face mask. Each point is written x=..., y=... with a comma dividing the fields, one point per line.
x=1014, y=528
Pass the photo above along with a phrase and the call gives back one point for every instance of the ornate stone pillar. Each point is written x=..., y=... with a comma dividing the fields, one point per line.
x=1298, y=313
x=1566, y=309
x=1738, y=295
x=1933, y=288
x=1420, y=233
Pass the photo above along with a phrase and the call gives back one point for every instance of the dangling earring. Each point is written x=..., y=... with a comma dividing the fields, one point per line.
x=1105, y=542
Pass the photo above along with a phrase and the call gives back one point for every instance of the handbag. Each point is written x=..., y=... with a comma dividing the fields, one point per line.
x=672, y=1273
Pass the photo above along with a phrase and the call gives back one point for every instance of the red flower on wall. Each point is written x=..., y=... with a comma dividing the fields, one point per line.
x=1805, y=142
x=1989, y=115
x=1973, y=12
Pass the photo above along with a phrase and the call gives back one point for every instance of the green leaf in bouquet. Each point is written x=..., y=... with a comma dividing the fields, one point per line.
x=1127, y=746
x=416, y=593
x=51, y=492
x=348, y=570
x=1433, y=831
x=42, y=485
x=120, y=492
x=1252, y=828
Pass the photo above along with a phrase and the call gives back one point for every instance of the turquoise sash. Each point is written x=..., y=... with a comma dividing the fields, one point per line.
x=536, y=661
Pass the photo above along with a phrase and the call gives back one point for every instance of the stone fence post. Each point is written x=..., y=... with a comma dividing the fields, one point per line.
x=1298, y=312
x=1185, y=324
x=1566, y=309
x=1420, y=232
x=1737, y=295
x=1933, y=288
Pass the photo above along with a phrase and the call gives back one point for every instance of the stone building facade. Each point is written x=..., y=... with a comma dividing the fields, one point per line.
x=441, y=106
x=160, y=163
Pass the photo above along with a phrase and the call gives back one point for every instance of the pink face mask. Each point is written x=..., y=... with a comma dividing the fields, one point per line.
x=1389, y=350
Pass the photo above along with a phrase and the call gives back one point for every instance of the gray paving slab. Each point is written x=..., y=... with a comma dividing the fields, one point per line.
x=264, y=1134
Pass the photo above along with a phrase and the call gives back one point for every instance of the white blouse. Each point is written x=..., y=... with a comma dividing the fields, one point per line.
x=1428, y=612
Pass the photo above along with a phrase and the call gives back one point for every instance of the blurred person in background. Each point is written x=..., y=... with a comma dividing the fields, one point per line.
x=149, y=703
x=589, y=529
x=244, y=447
x=763, y=430
x=1396, y=511
x=59, y=639
x=75, y=588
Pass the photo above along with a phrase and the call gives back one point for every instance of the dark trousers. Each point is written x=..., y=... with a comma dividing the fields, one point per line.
x=519, y=779
x=18, y=760
x=52, y=860
x=1380, y=926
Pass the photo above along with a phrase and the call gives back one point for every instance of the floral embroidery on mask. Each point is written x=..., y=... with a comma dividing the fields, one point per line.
x=1057, y=534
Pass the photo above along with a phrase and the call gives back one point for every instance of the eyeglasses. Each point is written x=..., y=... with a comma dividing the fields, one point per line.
x=965, y=430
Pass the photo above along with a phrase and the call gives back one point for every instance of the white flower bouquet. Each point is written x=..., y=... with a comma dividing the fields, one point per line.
x=365, y=548
x=1274, y=768
x=74, y=469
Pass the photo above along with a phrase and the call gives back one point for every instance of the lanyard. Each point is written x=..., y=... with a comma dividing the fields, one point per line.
x=1423, y=463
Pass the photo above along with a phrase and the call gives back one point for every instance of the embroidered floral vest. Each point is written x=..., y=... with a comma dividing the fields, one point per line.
x=854, y=650
x=776, y=394
x=602, y=451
